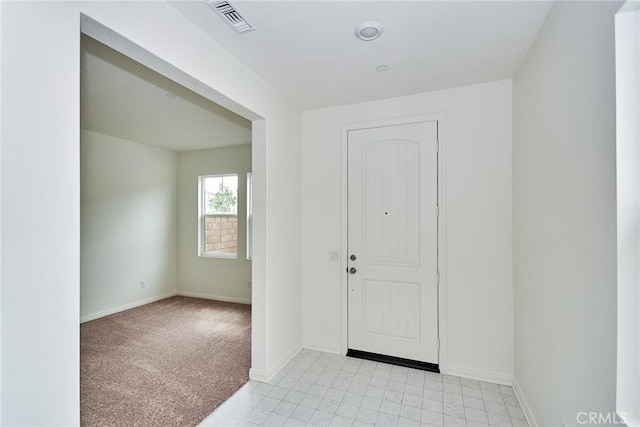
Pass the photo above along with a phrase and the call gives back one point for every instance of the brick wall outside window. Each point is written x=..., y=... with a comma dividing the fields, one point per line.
x=221, y=234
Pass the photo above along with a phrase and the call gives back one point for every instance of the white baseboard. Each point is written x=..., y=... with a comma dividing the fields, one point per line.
x=524, y=404
x=478, y=374
x=321, y=346
x=266, y=376
x=124, y=307
x=214, y=297
x=258, y=375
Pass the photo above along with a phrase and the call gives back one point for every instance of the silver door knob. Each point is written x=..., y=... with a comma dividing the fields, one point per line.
x=352, y=270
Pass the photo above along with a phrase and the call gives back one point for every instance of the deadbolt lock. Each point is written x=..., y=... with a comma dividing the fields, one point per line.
x=352, y=257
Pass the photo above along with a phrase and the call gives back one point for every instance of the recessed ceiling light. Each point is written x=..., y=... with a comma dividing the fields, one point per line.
x=368, y=31
x=382, y=68
x=170, y=96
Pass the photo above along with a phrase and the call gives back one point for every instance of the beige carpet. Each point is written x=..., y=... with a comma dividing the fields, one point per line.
x=169, y=363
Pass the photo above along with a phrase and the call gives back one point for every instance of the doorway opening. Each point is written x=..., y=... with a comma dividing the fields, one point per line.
x=147, y=179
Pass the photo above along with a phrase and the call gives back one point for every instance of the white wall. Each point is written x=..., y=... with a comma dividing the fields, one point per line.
x=0, y=219
x=217, y=278
x=628, y=195
x=284, y=254
x=40, y=167
x=128, y=218
x=478, y=202
x=40, y=155
x=564, y=206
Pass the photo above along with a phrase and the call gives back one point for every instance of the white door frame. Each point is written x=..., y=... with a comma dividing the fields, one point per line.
x=442, y=224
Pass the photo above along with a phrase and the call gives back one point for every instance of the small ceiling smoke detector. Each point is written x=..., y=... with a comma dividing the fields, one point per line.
x=230, y=14
x=368, y=31
x=169, y=96
x=382, y=68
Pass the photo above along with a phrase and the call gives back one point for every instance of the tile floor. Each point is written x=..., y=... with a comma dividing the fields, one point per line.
x=322, y=389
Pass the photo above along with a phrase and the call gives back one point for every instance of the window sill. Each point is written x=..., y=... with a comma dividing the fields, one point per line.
x=221, y=256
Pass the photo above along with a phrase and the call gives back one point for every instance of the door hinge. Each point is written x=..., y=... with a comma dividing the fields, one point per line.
x=437, y=146
x=437, y=211
x=437, y=277
x=438, y=343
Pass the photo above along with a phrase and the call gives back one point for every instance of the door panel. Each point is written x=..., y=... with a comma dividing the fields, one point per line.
x=390, y=309
x=390, y=238
x=392, y=196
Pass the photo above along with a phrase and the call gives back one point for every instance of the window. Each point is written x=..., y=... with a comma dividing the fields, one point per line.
x=218, y=216
x=249, y=214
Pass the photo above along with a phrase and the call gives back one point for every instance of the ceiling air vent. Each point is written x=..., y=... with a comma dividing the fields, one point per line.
x=230, y=14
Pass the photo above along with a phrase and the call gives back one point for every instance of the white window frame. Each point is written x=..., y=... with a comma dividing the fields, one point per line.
x=202, y=216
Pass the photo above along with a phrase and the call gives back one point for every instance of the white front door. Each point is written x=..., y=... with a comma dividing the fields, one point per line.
x=393, y=241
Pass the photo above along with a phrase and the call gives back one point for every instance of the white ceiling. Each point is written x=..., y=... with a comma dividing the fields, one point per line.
x=308, y=50
x=122, y=98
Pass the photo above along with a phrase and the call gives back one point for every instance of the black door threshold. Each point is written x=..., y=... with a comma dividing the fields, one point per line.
x=399, y=361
